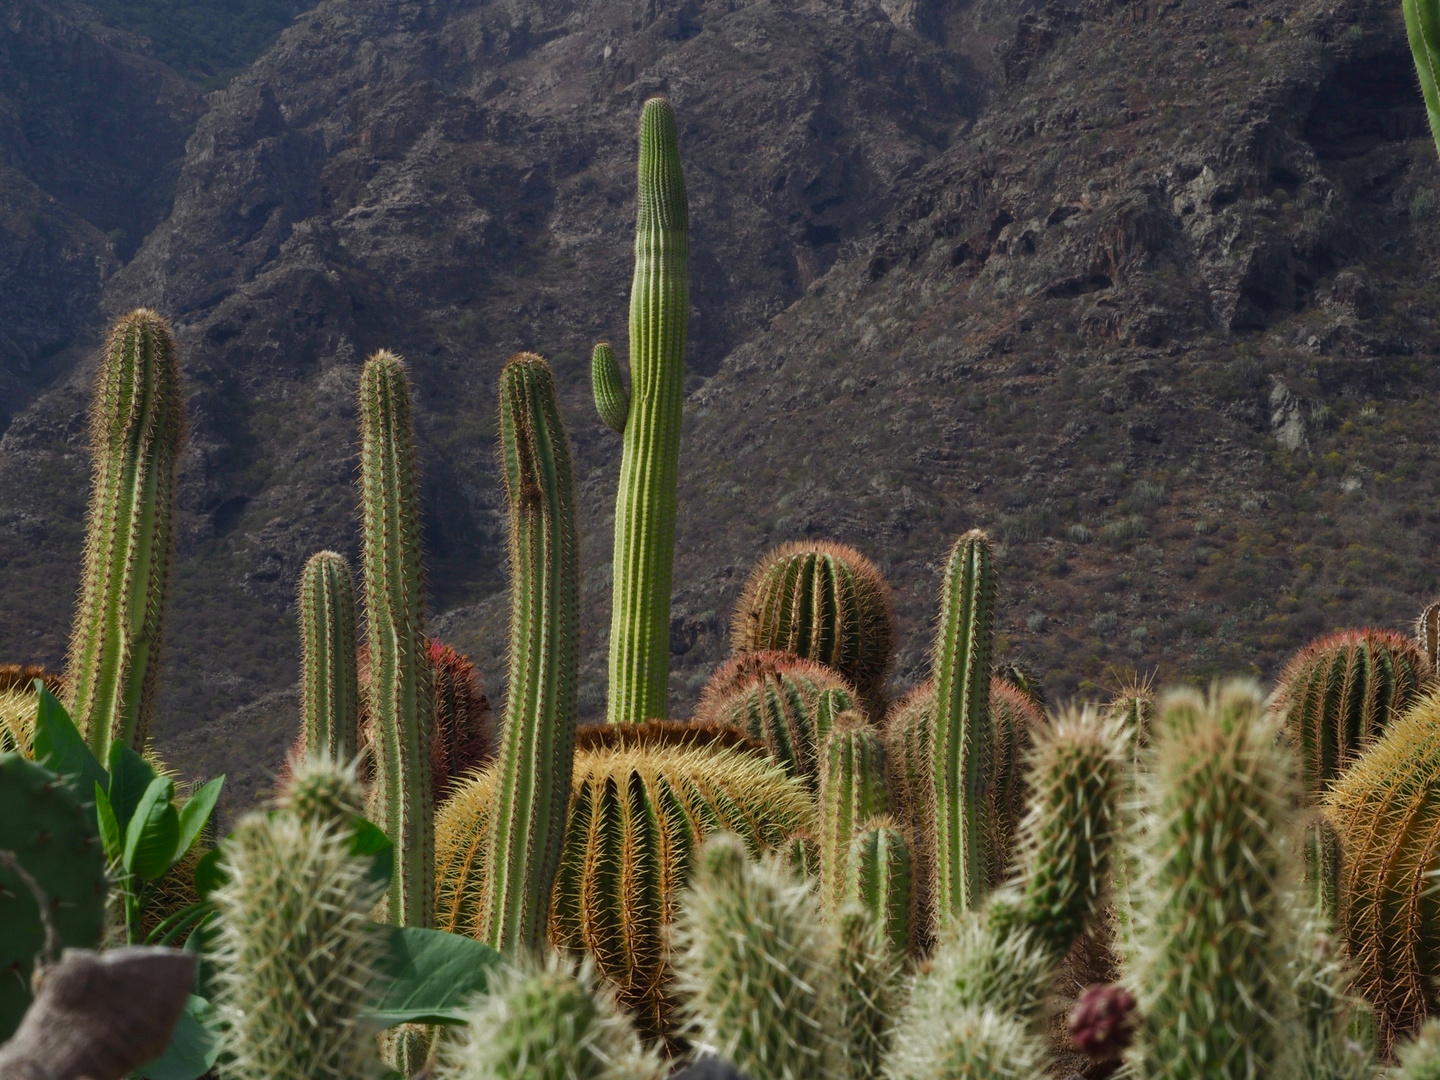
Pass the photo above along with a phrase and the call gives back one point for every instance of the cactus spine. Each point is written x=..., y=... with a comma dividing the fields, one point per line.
x=852, y=791
x=136, y=428
x=645, y=504
x=534, y=772
x=825, y=602
x=1213, y=928
x=400, y=700
x=295, y=951
x=867, y=978
x=1386, y=811
x=878, y=879
x=612, y=400
x=1422, y=24
x=961, y=747
x=329, y=690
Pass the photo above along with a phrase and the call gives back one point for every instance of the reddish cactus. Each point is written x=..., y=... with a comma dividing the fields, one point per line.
x=462, y=738
x=1102, y=1021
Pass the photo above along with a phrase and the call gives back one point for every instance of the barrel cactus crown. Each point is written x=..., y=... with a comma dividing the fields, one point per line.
x=781, y=700
x=18, y=703
x=1386, y=812
x=1338, y=693
x=636, y=814
x=825, y=602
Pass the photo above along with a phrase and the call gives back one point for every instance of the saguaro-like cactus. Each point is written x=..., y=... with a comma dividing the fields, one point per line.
x=1386, y=811
x=542, y=703
x=1212, y=909
x=612, y=400
x=825, y=602
x=961, y=744
x=136, y=427
x=645, y=503
x=852, y=791
x=1422, y=22
x=329, y=690
x=785, y=702
x=400, y=696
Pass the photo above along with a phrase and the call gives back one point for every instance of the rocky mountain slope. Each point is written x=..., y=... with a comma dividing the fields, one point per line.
x=1143, y=287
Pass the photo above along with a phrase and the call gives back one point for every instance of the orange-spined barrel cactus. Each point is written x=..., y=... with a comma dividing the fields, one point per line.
x=1386, y=812
x=785, y=702
x=461, y=739
x=823, y=601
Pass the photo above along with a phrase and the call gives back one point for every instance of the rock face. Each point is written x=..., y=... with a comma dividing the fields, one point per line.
x=1141, y=287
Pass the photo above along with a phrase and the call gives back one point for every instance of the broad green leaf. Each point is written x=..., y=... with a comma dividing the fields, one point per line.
x=429, y=975
x=109, y=827
x=195, y=813
x=193, y=1048
x=59, y=747
x=209, y=874
x=371, y=840
x=130, y=775
x=153, y=831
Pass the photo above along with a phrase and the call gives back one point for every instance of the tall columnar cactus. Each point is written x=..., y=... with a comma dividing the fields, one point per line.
x=755, y=959
x=1213, y=927
x=825, y=602
x=136, y=428
x=868, y=991
x=1427, y=634
x=329, y=690
x=1338, y=693
x=546, y=1021
x=852, y=791
x=636, y=814
x=400, y=695
x=534, y=770
x=909, y=738
x=785, y=702
x=1386, y=812
x=1422, y=22
x=961, y=743
x=461, y=739
x=878, y=879
x=295, y=952
x=1078, y=776
x=645, y=504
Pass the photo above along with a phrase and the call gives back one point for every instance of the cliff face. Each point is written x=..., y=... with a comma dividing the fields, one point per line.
x=1143, y=288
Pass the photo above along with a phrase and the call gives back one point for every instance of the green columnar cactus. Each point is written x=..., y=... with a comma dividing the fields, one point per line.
x=1386, y=811
x=612, y=400
x=1422, y=23
x=534, y=770
x=1427, y=634
x=136, y=427
x=878, y=879
x=645, y=503
x=329, y=691
x=1015, y=719
x=909, y=728
x=1338, y=693
x=547, y=1021
x=825, y=602
x=755, y=960
x=636, y=814
x=868, y=989
x=1077, y=778
x=963, y=733
x=787, y=703
x=461, y=739
x=45, y=828
x=400, y=696
x=1213, y=929
x=852, y=791
x=295, y=951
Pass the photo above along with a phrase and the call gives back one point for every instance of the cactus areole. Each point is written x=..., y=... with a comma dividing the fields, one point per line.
x=645, y=503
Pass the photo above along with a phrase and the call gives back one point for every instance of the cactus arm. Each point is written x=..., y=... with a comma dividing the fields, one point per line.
x=645, y=504
x=400, y=675
x=136, y=432
x=536, y=759
x=1422, y=25
x=329, y=690
x=612, y=400
x=878, y=879
x=962, y=736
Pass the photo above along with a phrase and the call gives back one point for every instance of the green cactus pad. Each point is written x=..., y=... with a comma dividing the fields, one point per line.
x=54, y=838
